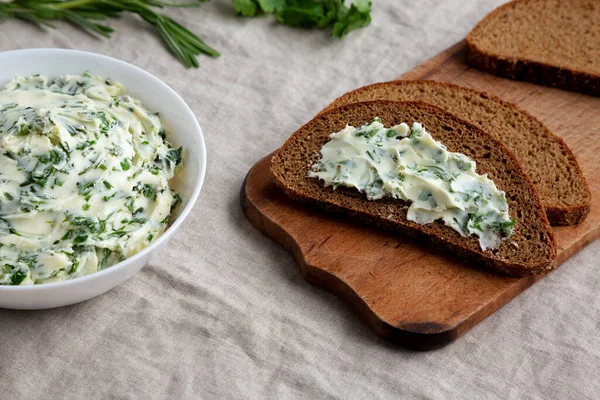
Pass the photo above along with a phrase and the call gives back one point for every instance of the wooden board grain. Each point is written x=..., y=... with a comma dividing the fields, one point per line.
x=406, y=291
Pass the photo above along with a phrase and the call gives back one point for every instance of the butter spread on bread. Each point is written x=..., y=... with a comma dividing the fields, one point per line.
x=438, y=184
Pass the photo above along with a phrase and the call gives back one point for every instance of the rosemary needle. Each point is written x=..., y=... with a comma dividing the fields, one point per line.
x=88, y=14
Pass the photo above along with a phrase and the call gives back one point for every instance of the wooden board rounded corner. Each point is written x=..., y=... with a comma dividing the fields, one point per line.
x=278, y=217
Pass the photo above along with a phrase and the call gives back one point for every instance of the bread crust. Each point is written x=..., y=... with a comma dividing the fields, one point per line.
x=523, y=69
x=558, y=214
x=437, y=233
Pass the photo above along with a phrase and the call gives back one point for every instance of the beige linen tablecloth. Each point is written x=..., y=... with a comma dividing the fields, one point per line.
x=222, y=312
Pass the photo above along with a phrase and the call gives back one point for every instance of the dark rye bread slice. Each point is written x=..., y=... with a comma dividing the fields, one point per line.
x=548, y=42
x=530, y=250
x=545, y=157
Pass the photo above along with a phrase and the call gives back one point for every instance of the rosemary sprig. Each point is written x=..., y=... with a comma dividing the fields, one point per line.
x=87, y=15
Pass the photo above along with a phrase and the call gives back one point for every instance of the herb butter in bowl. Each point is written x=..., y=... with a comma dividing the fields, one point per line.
x=99, y=164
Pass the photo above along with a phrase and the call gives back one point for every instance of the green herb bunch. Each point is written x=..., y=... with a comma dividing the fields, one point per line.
x=311, y=13
x=88, y=14
x=185, y=45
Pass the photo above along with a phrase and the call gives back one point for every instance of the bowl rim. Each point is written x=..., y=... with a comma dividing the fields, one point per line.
x=184, y=213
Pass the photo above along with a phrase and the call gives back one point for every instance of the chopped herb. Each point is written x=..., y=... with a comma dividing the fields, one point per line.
x=105, y=124
x=80, y=238
x=115, y=150
x=85, y=170
x=147, y=190
x=74, y=267
x=415, y=132
x=130, y=204
x=106, y=253
x=139, y=221
x=107, y=198
x=92, y=224
x=176, y=201
x=85, y=145
x=118, y=233
x=86, y=187
x=125, y=164
x=505, y=227
x=174, y=155
x=54, y=156
x=366, y=133
x=18, y=276
x=475, y=221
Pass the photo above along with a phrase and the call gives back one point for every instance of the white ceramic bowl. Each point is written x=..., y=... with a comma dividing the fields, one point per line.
x=184, y=131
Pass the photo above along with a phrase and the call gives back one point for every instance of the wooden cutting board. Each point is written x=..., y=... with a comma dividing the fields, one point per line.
x=406, y=291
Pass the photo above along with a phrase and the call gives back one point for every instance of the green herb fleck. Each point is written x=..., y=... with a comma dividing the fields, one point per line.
x=18, y=276
x=80, y=238
x=175, y=155
x=125, y=164
x=85, y=188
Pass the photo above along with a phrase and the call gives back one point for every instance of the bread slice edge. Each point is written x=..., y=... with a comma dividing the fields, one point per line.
x=524, y=69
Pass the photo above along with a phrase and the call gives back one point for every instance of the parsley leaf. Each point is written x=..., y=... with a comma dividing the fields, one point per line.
x=351, y=18
x=271, y=6
x=249, y=8
x=245, y=8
